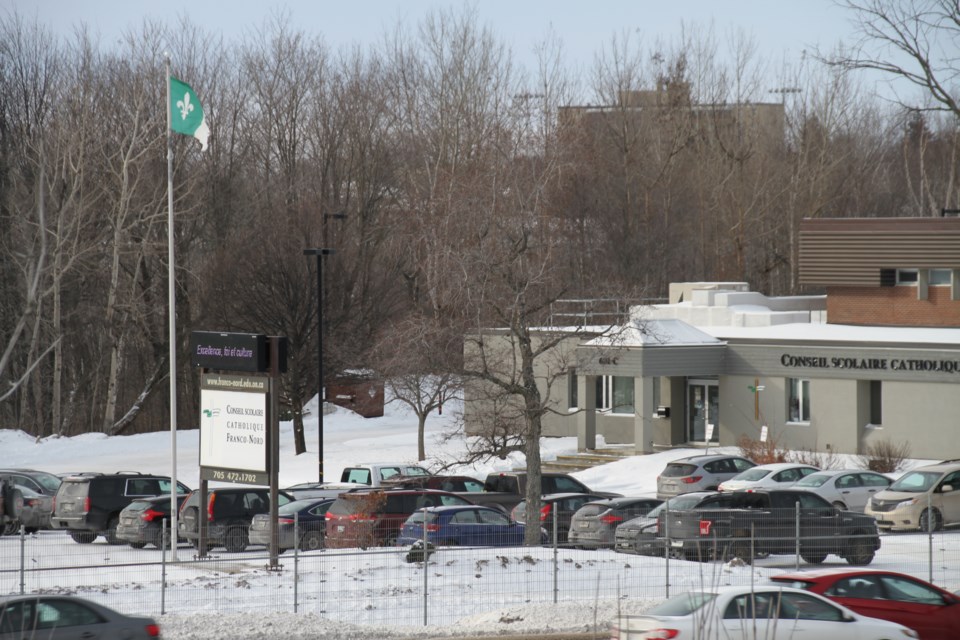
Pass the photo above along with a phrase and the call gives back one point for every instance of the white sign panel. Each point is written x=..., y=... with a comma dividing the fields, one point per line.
x=709, y=431
x=233, y=429
x=763, y=433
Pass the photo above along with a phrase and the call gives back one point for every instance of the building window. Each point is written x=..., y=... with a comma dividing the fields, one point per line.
x=604, y=393
x=907, y=277
x=940, y=277
x=798, y=402
x=876, y=402
x=615, y=394
x=572, y=395
x=623, y=395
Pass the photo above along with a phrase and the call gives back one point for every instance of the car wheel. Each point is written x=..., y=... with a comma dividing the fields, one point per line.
x=83, y=537
x=311, y=541
x=840, y=505
x=10, y=528
x=813, y=557
x=138, y=545
x=860, y=552
x=927, y=525
x=235, y=540
x=111, y=532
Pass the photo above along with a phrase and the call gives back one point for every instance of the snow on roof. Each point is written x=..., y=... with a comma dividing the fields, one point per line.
x=668, y=331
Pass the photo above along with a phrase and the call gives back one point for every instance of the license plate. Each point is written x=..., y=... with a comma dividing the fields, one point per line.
x=584, y=525
x=676, y=543
x=340, y=528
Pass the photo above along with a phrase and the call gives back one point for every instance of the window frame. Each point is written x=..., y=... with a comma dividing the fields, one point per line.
x=907, y=277
x=799, y=400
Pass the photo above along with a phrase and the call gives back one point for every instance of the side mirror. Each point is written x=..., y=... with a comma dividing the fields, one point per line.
x=848, y=618
x=946, y=488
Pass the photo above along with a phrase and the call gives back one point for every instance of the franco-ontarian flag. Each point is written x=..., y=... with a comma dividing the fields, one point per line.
x=186, y=114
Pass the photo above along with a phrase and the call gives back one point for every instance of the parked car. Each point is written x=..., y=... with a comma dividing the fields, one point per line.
x=40, y=481
x=463, y=525
x=847, y=489
x=768, y=612
x=594, y=524
x=142, y=521
x=778, y=475
x=374, y=518
x=229, y=512
x=43, y=486
x=903, y=506
x=453, y=484
x=640, y=536
x=36, y=511
x=319, y=490
x=926, y=608
x=89, y=504
x=62, y=616
x=699, y=473
x=304, y=521
x=565, y=505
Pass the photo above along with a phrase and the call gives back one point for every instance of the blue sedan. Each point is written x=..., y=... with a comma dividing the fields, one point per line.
x=468, y=526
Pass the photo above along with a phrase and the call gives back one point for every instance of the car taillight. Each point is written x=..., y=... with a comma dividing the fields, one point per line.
x=153, y=630
x=611, y=518
x=705, y=527
x=150, y=514
x=544, y=512
x=213, y=497
x=86, y=505
x=31, y=502
x=663, y=634
x=433, y=528
x=285, y=520
x=691, y=480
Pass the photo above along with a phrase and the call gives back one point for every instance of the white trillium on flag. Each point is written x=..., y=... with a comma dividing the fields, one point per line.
x=186, y=114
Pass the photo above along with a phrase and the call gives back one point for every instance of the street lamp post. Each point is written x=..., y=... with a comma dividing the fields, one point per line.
x=320, y=253
x=321, y=395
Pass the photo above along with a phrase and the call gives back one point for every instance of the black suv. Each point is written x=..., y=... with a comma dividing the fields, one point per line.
x=89, y=504
x=229, y=512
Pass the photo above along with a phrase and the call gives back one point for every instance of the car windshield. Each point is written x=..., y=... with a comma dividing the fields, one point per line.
x=417, y=517
x=48, y=481
x=679, y=470
x=752, y=475
x=138, y=505
x=813, y=480
x=916, y=481
x=682, y=605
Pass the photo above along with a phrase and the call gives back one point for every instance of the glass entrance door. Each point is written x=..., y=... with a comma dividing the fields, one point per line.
x=703, y=408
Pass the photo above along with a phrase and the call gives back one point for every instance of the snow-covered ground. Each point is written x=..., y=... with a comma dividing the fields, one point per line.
x=473, y=592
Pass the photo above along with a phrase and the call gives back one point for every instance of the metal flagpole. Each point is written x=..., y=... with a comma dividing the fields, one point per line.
x=171, y=301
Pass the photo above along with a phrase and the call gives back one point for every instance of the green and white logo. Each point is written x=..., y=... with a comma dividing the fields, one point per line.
x=186, y=114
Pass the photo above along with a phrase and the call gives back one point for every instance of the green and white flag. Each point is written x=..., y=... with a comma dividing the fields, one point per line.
x=186, y=114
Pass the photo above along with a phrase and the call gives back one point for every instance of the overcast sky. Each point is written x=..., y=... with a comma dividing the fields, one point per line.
x=782, y=30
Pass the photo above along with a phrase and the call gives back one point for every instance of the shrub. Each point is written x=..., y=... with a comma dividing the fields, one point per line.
x=819, y=459
x=885, y=456
x=761, y=452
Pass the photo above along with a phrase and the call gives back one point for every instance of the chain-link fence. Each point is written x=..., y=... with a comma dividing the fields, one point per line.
x=394, y=586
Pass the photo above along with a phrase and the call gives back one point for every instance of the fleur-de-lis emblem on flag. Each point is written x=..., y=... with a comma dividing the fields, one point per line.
x=185, y=106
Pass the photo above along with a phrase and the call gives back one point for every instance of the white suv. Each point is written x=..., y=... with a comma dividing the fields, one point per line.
x=699, y=473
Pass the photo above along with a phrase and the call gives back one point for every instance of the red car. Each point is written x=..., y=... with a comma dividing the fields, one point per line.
x=925, y=608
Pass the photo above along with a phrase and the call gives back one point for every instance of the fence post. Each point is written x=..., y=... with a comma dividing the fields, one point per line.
x=666, y=549
x=23, y=556
x=796, y=521
x=556, y=562
x=426, y=560
x=163, y=562
x=296, y=558
x=930, y=536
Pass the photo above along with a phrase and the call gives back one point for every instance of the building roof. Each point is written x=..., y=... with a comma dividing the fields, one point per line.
x=653, y=333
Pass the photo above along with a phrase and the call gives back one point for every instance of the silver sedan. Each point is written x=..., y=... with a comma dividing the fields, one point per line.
x=847, y=489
